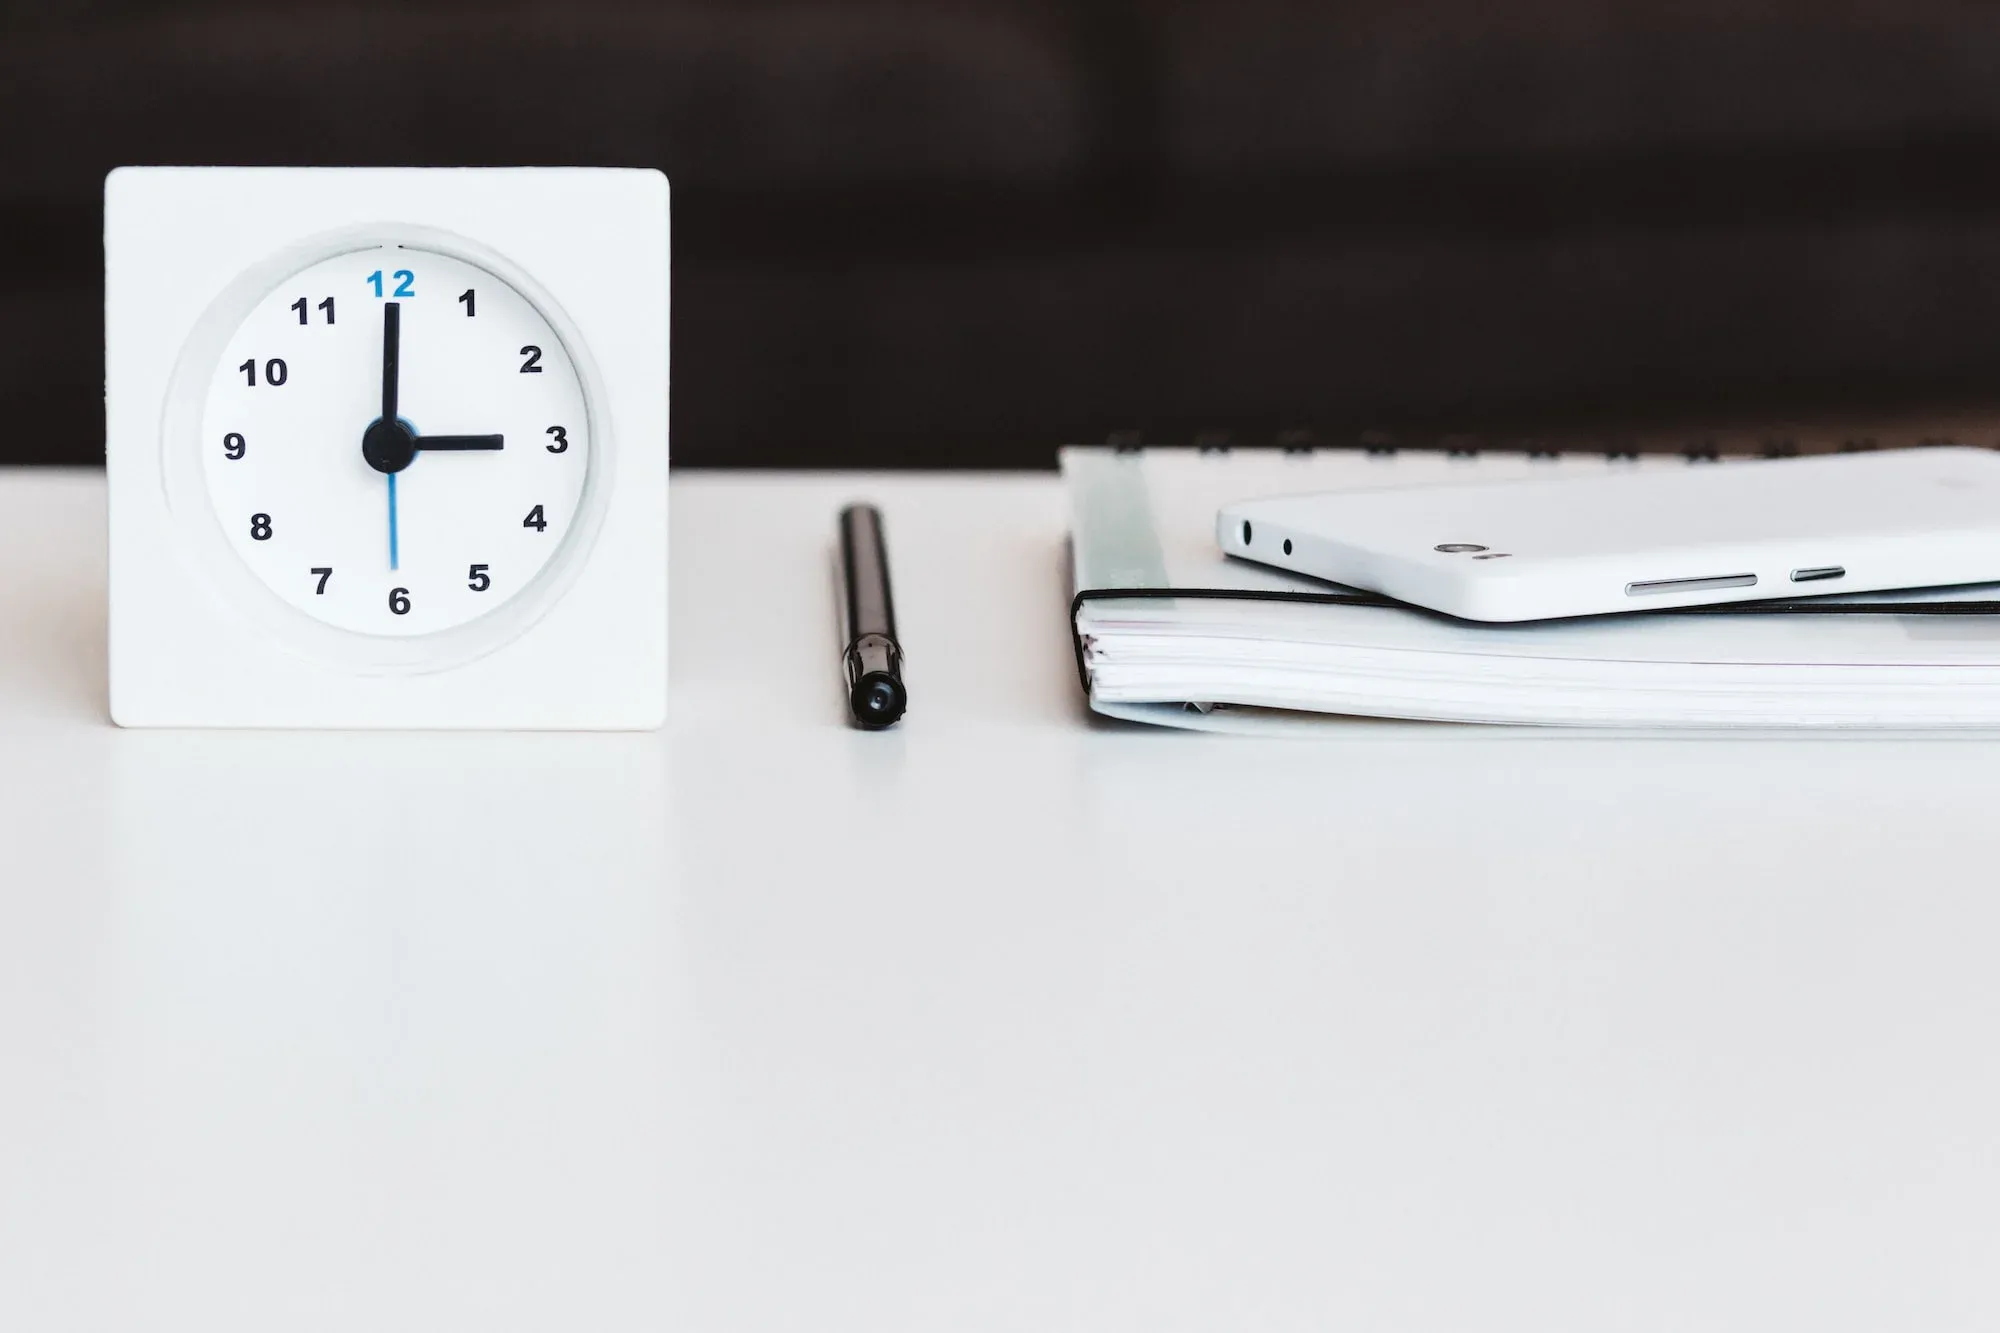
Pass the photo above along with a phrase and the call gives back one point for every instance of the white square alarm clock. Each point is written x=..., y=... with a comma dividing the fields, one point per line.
x=387, y=448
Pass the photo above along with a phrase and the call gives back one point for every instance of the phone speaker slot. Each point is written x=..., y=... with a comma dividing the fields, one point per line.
x=1661, y=587
x=1819, y=573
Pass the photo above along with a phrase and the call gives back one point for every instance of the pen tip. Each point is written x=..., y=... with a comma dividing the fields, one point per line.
x=878, y=700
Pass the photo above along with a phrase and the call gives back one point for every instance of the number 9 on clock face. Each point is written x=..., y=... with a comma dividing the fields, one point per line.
x=395, y=441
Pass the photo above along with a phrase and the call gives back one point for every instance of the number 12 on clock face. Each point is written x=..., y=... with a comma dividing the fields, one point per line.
x=396, y=441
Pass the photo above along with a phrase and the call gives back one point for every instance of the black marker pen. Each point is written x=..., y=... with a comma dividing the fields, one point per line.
x=874, y=661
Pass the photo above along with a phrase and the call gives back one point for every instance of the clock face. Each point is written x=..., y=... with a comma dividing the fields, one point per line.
x=395, y=441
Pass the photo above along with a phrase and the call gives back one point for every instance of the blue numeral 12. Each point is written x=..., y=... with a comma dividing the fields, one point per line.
x=406, y=282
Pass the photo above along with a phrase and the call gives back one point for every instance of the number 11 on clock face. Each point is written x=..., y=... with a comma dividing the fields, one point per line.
x=396, y=441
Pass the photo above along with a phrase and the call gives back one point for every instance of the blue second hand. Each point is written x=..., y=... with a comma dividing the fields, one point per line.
x=392, y=521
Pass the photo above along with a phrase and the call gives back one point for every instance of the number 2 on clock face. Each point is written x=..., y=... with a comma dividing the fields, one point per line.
x=360, y=465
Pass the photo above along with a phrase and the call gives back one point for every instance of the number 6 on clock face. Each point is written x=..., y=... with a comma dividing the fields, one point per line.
x=405, y=443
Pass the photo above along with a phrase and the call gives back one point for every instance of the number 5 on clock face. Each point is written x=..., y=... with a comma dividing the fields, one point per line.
x=395, y=441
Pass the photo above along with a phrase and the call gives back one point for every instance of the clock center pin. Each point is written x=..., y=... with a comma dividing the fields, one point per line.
x=389, y=446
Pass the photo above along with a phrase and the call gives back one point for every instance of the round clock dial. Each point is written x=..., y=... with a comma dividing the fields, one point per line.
x=396, y=441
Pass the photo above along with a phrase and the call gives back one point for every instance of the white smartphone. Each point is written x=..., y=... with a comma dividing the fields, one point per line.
x=1645, y=539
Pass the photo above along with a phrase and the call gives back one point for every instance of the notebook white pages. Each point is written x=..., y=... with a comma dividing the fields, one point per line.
x=1169, y=630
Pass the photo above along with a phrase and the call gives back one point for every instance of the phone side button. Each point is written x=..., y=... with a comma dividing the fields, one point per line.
x=1661, y=587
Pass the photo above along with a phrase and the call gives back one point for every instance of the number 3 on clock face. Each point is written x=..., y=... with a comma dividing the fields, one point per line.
x=395, y=441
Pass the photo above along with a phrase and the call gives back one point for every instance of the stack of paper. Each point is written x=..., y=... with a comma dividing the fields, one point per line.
x=1170, y=630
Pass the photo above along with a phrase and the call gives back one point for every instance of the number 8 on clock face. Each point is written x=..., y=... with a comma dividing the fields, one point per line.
x=395, y=441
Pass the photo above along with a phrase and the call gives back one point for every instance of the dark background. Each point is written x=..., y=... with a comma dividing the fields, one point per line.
x=961, y=232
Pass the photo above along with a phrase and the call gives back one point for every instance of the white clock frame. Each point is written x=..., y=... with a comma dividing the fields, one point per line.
x=195, y=638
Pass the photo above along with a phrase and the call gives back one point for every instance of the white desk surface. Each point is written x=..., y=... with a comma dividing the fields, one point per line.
x=1002, y=1020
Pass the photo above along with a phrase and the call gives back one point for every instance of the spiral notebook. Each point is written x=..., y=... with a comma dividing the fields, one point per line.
x=1168, y=630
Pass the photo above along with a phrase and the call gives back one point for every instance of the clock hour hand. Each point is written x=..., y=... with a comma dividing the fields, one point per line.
x=459, y=443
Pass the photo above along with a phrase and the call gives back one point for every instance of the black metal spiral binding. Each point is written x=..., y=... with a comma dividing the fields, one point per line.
x=1612, y=447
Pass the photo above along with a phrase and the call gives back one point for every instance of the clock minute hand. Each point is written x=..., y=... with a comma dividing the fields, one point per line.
x=459, y=443
x=392, y=351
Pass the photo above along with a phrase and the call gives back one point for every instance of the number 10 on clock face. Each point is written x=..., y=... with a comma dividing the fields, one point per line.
x=395, y=441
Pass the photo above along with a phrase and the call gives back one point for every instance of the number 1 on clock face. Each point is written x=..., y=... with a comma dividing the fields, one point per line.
x=396, y=441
